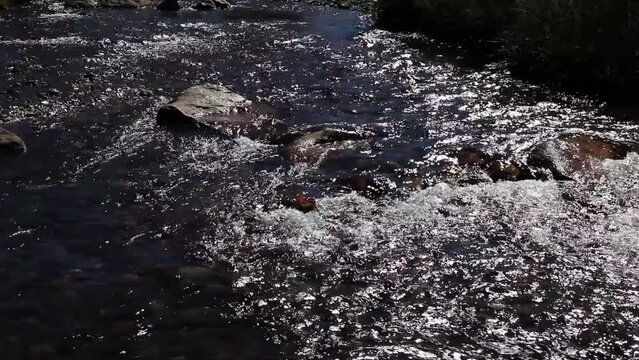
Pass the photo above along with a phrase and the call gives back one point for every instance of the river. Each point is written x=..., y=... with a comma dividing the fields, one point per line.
x=124, y=240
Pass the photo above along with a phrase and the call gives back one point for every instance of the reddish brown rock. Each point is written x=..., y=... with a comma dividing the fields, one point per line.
x=572, y=156
x=304, y=203
x=471, y=157
x=500, y=170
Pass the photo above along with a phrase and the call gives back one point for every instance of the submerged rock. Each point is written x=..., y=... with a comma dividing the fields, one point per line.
x=11, y=143
x=169, y=5
x=217, y=108
x=471, y=156
x=504, y=170
x=212, y=5
x=313, y=147
x=195, y=274
x=476, y=166
x=571, y=156
x=372, y=187
x=301, y=202
x=470, y=175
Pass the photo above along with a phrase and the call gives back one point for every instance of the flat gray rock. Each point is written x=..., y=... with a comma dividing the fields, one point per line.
x=217, y=108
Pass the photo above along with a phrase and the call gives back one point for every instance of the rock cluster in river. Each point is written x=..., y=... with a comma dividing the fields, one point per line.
x=475, y=166
x=11, y=143
x=216, y=108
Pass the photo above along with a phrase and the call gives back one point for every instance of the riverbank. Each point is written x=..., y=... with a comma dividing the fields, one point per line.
x=584, y=45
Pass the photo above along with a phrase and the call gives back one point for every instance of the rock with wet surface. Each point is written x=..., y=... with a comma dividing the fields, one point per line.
x=11, y=143
x=477, y=166
x=212, y=5
x=314, y=146
x=216, y=108
x=471, y=156
x=505, y=170
x=573, y=156
x=304, y=203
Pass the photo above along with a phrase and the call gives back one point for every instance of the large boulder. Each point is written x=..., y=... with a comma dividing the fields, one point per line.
x=573, y=156
x=216, y=108
x=11, y=143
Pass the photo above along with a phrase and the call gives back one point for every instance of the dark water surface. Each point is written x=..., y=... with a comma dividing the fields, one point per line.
x=122, y=240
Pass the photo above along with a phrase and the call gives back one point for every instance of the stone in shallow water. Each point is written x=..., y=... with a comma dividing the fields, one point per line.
x=571, y=156
x=212, y=5
x=304, y=203
x=11, y=143
x=313, y=147
x=504, y=170
x=471, y=156
x=216, y=108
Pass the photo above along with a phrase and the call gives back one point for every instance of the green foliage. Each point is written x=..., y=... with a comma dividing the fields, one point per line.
x=4, y=4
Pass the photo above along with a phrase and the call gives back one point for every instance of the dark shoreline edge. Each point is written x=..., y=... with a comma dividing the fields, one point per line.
x=587, y=46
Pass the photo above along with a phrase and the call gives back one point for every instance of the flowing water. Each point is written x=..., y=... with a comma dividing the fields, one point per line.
x=123, y=240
